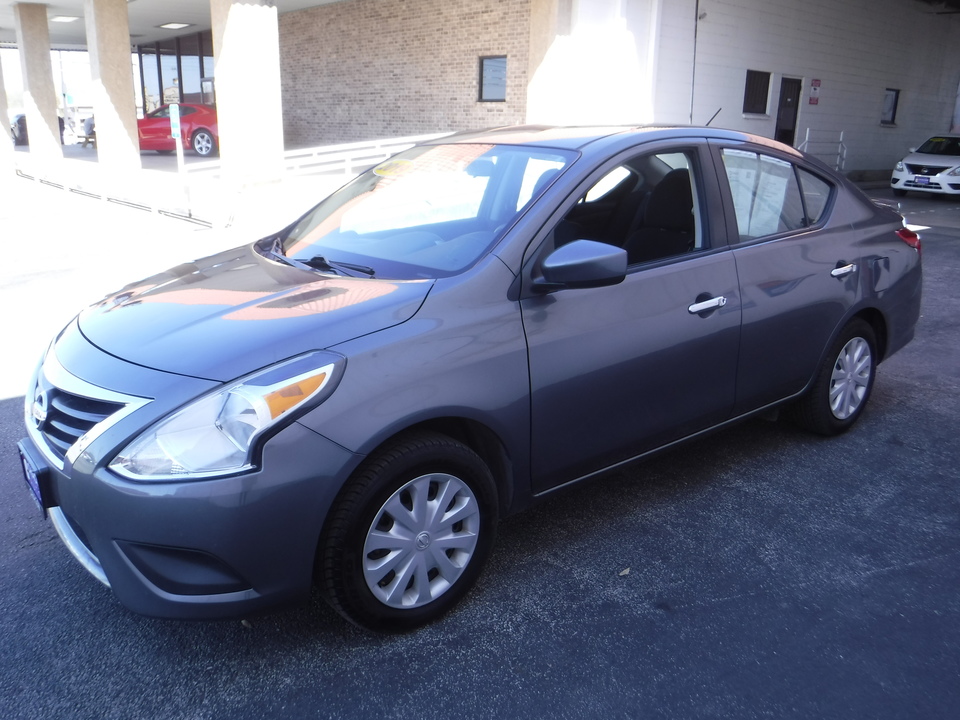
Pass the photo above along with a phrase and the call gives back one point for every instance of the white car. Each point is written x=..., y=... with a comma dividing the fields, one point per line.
x=934, y=167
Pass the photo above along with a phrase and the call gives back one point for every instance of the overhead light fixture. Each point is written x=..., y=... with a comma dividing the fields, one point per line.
x=64, y=18
x=175, y=26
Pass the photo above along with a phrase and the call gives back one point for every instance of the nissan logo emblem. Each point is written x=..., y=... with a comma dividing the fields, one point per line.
x=39, y=408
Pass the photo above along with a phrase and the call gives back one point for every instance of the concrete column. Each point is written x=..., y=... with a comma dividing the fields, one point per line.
x=6, y=147
x=246, y=45
x=114, y=102
x=548, y=19
x=39, y=95
x=592, y=69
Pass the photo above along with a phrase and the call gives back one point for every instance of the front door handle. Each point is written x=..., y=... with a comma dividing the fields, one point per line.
x=843, y=271
x=711, y=304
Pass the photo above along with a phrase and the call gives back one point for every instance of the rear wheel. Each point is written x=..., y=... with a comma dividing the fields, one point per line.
x=843, y=383
x=409, y=535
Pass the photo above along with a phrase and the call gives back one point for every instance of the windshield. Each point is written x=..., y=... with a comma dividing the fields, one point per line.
x=941, y=146
x=431, y=211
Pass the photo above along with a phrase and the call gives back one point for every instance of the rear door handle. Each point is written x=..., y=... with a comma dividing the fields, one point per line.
x=711, y=304
x=843, y=271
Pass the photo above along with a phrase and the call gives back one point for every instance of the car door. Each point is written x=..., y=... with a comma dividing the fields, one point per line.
x=616, y=371
x=798, y=275
x=154, y=131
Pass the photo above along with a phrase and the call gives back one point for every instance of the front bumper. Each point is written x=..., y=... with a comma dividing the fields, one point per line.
x=221, y=547
x=942, y=184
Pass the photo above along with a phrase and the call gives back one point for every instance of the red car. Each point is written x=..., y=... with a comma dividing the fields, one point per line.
x=198, y=129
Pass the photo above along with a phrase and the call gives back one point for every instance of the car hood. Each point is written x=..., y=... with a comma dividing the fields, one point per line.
x=233, y=313
x=948, y=161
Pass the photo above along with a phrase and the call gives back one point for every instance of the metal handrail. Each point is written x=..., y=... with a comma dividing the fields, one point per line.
x=833, y=152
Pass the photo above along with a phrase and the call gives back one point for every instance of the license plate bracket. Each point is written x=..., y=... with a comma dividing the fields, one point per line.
x=37, y=476
x=921, y=180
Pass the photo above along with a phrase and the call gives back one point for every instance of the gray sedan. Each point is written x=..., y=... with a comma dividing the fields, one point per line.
x=471, y=325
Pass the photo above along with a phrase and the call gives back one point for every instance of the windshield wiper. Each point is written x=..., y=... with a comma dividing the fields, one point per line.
x=321, y=263
x=318, y=262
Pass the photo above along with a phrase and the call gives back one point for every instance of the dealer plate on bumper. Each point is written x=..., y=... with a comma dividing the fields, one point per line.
x=37, y=476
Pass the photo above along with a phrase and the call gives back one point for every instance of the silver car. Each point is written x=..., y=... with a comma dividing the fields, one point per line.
x=471, y=325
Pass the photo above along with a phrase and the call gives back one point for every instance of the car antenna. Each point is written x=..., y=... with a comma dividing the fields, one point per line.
x=714, y=115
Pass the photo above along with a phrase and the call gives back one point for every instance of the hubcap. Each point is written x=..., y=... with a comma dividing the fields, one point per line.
x=850, y=378
x=202, y=143
x=421, y=541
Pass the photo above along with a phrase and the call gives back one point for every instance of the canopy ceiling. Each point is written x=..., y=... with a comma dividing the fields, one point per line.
x=145, y=16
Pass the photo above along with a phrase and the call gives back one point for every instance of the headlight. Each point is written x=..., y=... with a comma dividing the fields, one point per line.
x=955, y=171
x=899, y=166
x=215, y=434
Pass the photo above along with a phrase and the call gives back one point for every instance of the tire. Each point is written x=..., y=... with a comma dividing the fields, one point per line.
x=387, y=567
x=843, y=383
x=203, y=143
x=899, y=192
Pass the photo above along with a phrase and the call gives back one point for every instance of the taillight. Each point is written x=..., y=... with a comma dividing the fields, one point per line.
x=910, y=238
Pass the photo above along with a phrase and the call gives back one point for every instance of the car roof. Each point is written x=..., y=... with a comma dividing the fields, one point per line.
x=578, y=138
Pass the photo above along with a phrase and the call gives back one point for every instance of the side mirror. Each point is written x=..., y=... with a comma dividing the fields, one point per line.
x=582, y=264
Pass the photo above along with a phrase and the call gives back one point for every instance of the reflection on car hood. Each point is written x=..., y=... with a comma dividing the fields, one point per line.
x=236, y=312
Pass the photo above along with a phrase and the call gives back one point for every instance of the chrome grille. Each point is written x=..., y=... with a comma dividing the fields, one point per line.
x=62, y=418
x=64, y=414
x=925, y=169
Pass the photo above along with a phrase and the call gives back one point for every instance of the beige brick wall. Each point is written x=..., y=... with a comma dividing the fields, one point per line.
x=368, y=69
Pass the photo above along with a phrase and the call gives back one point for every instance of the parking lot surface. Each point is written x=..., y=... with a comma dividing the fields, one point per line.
x=759, y=573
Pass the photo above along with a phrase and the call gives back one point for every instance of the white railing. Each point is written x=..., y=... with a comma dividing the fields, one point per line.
x=345, y=160
x=826, y=147
x=201, y=196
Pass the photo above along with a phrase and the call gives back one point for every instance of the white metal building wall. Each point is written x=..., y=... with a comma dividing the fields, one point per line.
x=856, y=48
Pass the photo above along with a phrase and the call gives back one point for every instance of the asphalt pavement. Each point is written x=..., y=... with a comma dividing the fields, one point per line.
x=760, y=573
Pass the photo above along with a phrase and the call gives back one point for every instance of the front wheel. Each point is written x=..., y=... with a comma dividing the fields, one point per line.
x=843, y=383
x=898, y=192
x=203, y=143
x=410, y=533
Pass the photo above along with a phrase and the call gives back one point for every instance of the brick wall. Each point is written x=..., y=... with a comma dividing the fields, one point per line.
x=367, y=69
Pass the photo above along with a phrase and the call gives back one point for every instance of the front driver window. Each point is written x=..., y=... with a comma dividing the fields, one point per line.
x=649, y=206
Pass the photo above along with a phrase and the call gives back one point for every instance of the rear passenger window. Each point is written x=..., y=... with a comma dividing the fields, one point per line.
x=816, y=195
x=766, y=194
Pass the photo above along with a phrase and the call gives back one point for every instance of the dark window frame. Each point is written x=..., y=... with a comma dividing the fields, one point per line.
x=888, y=117
x=204, y=44
x=756, y=93
x=483, y=89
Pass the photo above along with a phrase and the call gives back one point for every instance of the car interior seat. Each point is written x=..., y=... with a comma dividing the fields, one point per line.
x=668, y=223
